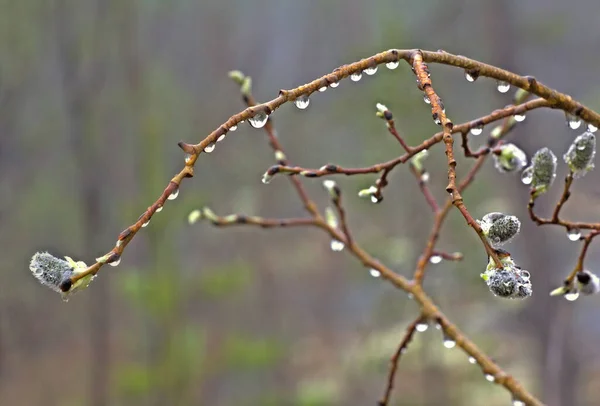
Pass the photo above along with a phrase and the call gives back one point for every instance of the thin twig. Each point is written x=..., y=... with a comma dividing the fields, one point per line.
x=402, y=347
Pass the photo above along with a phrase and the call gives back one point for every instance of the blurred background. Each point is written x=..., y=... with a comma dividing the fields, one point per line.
x=95, y=95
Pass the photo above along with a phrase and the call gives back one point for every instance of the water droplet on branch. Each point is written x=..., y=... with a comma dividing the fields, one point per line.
x=573, y=234
x=502, y=87
x=435, y=259
x=355, y=77
x=477, y=130
x=392, y=65
x=209, y=148
x=527, y=176
x=337, y=245
x=374, y=273
x=519, y=117
x=371, y=70
x=302, y=102
x=421, y=327
x=259, y=120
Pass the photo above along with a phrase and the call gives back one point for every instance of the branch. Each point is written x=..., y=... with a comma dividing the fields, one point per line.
x=410, y=331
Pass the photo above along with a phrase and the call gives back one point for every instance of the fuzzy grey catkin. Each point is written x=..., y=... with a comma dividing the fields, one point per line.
x=581, y=154
x=499, y=228
x=49, y=270
x=544, y=170
x=510, y=282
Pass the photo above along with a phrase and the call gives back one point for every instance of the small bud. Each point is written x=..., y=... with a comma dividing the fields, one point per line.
x=520, y=96
x=367, y=192
x=499, y=228
x=587, y=282
x=581, y=153
x=381, y=110
x=510, y=159
x=246, y=87
x=280, y=156
x=418, y=158
x=237, y=76
x=332, y=188
x=330, y=217
x=496, y=132
x=194, y=216
x=544, y=171
x=207, y=213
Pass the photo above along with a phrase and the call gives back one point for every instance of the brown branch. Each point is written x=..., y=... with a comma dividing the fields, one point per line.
x=332, y=169
x=417, y=59
x=439, y=116
x=402, y=347
x=242, y=219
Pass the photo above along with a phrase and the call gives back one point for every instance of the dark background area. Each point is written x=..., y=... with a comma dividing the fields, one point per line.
x=95, y=95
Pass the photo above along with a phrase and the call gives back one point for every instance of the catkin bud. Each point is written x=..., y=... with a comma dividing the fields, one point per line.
x=588, y=283
x=49, y=270
x=499, y=228
x=510, y=159
x=581, y=153
x=510, y=282
x=544, y=170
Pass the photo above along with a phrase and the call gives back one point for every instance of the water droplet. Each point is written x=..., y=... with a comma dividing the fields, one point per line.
x=410, y=296
x=573, y=122
x=425, y=177
x=519, y=118
x=426, y=99
x=438, y=326
x=355, y=77
x=421, y=327
x=517, y=402
x=581, y=147
x=233, y=128
x=371, y=70
x=374, y=273
x=592, y=128
x=472, y=360
x=375, y=199
x=435, y=259
x=302, y=102
x=572, y=296
x=470, y=77
x=221, y=138
x=477, y=130
x=115, y=263
x=334, y=84
x=336, y=245
x=573, y=234
x=436, y=119
x=392, y=65
x=527, y=176
x=502, y=87
x=158, y=209
x=209, y=148
x=490, y=377
x=188, y=158
x=146, y=223
x=449, y=342
x=266, y=178
x=259, y=120
x=174, y=195
x=322, y=89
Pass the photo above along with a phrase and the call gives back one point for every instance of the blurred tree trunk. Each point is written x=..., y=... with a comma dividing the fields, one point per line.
x=80, y=88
